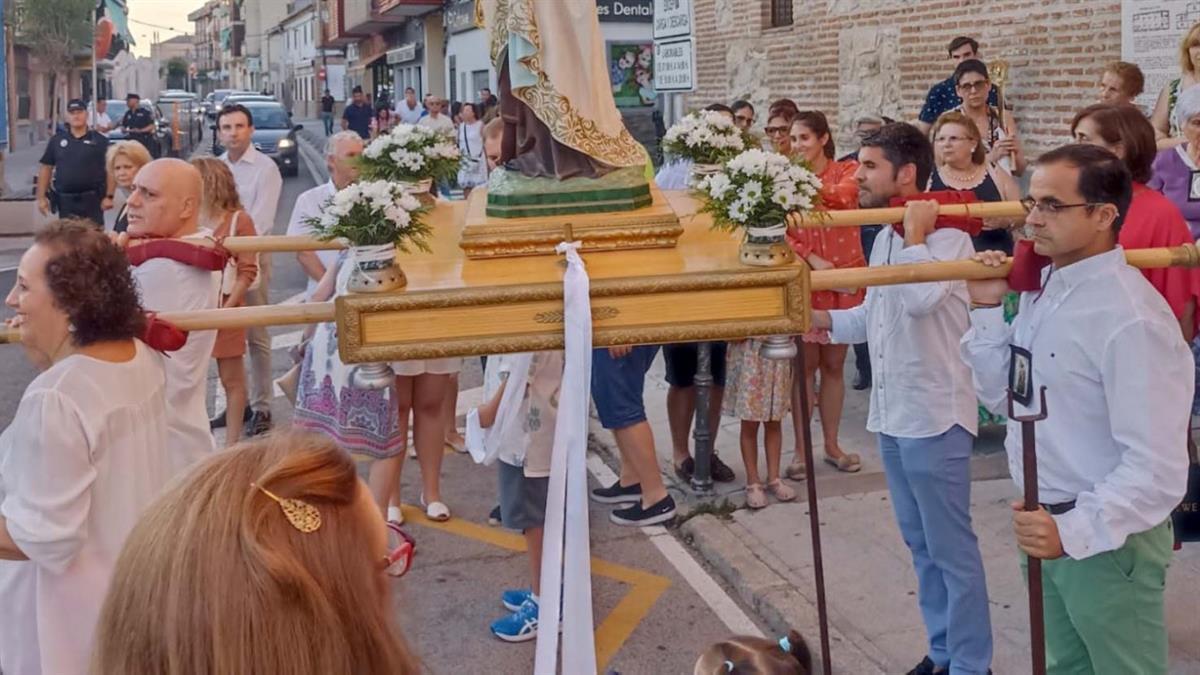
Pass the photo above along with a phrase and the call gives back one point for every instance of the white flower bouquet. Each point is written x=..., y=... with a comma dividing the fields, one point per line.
x=373, y=213
x=758, y=189
x=410, y=153
x=704, y=137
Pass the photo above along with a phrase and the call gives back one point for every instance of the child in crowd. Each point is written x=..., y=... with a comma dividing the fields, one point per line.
x=519, y=418
x=749, y=655
x=758, y=391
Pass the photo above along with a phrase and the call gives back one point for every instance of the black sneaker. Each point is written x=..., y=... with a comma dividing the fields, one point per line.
x=219, y=421
x=615, y=494
x=926, y=667
x=721, y=471
x=259, y=423
x=494, y=518
x=862, y=381
x=686, y=470
x=661, y=512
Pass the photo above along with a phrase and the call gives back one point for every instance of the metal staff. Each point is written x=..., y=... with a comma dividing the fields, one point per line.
x=1037, y=621
x=800, y=386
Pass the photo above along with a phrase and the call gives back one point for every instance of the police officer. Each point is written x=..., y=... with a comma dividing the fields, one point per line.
x=139, y=123
x=82, y=186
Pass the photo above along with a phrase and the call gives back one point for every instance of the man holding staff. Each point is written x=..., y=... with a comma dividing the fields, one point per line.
x=1111, y=459
x=922, y=402
x=165, y=203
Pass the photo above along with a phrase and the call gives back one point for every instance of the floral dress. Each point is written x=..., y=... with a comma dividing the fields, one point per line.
x=757, y=389
x=362, y=421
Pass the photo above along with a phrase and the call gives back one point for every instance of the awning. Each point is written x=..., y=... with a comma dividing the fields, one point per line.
x=116, y=11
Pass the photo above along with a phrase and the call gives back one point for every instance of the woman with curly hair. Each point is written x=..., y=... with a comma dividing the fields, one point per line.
x=85, y=453
x=221, y=211
x=267, y=558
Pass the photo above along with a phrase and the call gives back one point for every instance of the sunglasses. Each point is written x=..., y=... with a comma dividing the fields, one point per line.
x=775, y=131
x=978, y=85
x=399, y=560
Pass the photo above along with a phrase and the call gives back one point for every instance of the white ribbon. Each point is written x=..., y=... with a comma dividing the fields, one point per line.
x=566, y=560
x=778, y=230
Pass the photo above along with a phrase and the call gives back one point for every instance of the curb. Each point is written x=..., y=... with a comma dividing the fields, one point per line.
x=313, y=159
x=776, y=601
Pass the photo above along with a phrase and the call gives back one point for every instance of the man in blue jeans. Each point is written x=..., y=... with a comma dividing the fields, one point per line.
x=923, y=402
x=618, y=380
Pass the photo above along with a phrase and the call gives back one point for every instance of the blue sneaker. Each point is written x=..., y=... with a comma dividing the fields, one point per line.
x=519, y=626
x=514, y=598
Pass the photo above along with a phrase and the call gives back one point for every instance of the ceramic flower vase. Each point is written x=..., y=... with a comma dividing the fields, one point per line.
x=374, y=271
x=766, y=247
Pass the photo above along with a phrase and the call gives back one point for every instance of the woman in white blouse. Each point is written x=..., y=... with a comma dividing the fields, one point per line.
x=474, y=171
x=84, y=455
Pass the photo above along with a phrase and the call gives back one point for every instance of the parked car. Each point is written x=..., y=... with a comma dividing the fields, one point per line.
x=162, y=137
x=244, y=97
x=274, y=135
x=214, y=100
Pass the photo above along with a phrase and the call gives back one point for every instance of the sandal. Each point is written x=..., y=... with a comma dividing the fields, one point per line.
x=438, y=512
x=780, y=491
x=756, y=495
x=848, y=463
x=797, y=469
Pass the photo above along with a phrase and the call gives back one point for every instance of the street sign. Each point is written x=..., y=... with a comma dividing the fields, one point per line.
x=321, y=74
x=675, y=65
x=192, y=70
x=672, y=18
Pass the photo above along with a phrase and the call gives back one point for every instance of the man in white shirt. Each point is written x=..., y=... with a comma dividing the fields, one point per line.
x=436, y=120
x=340, y=151
x=922, y=402
x=1111, y=457
x=259, y=184
x=100, y=120
x=165, y=202
x=408, y=109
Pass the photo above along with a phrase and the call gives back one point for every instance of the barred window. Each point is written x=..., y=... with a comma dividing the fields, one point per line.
x=781, y=13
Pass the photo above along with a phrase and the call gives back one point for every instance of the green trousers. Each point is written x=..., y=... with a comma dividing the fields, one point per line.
x=1104, y=614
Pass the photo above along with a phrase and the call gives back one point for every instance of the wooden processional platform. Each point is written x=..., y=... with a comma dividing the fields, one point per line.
x=457, y=306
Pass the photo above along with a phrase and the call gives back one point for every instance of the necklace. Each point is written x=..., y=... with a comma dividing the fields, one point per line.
x=971, y=177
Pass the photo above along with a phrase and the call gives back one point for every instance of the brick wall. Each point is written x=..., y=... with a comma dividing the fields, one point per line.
x=845, y=57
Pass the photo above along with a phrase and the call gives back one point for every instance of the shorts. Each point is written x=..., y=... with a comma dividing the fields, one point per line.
x=617, y=385
x=522, y=499
x=681, y=363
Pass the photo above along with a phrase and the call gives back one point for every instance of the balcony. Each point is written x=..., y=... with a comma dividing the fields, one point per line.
x=373, y=16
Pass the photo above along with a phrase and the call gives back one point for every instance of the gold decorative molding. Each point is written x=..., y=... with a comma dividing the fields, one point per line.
x=556, y=316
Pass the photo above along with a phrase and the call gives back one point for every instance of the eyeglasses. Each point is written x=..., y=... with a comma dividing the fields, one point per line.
x=744, y=119
x=399, y=560
x=776, y=131
x=953, y=139
x=978, y=85
x=1052, y=208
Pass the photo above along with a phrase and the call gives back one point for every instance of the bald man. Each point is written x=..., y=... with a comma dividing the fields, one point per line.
x=165, y=203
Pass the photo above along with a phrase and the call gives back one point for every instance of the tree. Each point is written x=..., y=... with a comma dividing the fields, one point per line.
x=176, y=72
x=56, y=31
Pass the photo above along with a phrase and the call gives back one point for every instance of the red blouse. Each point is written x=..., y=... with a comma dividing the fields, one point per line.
x=1154, y=221
x=841, y=246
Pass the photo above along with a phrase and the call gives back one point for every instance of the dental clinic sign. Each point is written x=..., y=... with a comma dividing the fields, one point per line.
x=625, y=11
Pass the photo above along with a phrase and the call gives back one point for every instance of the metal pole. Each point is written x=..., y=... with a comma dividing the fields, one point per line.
x=814, y=520
x=702, y=475
x=1037, y=620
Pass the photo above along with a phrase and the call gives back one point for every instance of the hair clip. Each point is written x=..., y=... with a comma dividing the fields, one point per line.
x=302, y=515
x=785, y=644
x=728, y=666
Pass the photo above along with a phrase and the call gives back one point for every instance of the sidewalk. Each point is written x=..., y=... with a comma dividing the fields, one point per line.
x=765, y=557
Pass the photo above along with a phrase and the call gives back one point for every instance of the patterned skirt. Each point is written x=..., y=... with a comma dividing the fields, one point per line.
x=360, y=421
x=757, y=389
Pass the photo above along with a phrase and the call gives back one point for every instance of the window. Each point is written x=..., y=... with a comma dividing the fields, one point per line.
x=781, y=13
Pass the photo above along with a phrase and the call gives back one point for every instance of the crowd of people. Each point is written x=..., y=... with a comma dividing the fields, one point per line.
x=279, y=555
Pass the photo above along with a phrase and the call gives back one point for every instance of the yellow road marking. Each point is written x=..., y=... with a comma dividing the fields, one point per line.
x=644, y=588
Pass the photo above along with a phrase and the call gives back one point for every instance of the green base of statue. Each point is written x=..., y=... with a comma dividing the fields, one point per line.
x=511, y=195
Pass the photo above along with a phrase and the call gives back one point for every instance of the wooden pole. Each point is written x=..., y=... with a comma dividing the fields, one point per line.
x=853, y=217
x=800, y=391
x=1187, y=255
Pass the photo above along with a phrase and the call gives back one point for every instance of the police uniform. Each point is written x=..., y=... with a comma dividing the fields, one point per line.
x=140, y=118
x=80, y=177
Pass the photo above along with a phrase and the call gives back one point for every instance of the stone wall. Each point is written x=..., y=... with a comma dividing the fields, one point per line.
x=846, y=57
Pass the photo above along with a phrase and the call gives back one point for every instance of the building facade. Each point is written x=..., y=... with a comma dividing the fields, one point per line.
x=848, y=57
x=178, y=47
x=211, y=33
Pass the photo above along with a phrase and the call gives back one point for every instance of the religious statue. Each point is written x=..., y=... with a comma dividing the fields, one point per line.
x=560, y=119
x=555, y=98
